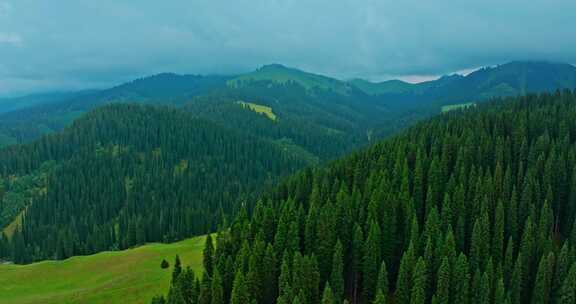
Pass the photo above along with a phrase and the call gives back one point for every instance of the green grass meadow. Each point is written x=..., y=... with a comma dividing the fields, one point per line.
x=129, y=276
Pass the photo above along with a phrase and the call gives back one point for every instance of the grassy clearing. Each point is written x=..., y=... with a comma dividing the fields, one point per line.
x=129, y=276
x=457, y=106
x=11, y=228
x=259, y=109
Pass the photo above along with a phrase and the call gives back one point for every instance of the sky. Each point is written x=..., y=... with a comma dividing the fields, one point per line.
x=79, y=44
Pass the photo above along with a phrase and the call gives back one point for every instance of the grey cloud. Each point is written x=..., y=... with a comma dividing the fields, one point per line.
x=75, y=43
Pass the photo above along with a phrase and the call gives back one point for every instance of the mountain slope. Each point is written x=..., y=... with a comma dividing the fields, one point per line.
x=510, y=79
x=385, y=87
x=27, y=123
x=475, y=204
x=18, y=103
x=279, y=74
x=128, y=174
x=324, y=123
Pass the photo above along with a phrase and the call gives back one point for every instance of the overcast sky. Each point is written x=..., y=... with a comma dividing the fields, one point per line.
x=75, y=44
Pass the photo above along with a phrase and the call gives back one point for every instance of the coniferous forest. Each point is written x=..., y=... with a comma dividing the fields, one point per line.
x=473, y=206
x=129, y=174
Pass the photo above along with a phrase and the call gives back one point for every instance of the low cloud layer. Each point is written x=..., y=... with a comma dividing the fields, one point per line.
x=74, y=44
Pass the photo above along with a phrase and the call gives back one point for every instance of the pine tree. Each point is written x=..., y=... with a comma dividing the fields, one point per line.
x=498, y=233
x=460, y=287
x=357, y=256
x=217, y=293
x=500, y=292
x=561, y=271
x=285, y=279
x=404, y=281
x=483, y=292
x=380, y=298
x=239, y=290
x=327, y=295
x=443, y=283
x=371, y=261
x=541, y=294
x=177, y=269
x=208, y=256
x=567, y=293
x=337, y=274
x=158, y=300
x=383, y=285
x=205, y=293
x=419, y=287
x=270, y=275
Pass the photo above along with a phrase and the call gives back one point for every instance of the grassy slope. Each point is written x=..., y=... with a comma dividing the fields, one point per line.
x=11, y=228
x=457, y=106
x=259, y=109
x=130, y=276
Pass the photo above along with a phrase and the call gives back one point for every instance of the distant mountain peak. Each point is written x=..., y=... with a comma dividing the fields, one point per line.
x=281, y=74
x=275, y=66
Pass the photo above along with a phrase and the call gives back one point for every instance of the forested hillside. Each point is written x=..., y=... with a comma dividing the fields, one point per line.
x=128, y=174
x=33, y=116
x=318, y=120
x=474, y=206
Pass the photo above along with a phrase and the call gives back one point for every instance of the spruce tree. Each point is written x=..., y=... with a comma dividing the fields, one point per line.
x=567, y=294
x=217, y=293
x=443, y=282
x=419, y=286
x=460, y=287
x=208, y=256
x=337, y=273
x=177, y=269
x=327, y=295
x=239, y=290
x=541, y=293
x=383, y=285
x=371, y=261
x=380, y=298
x=404, y=280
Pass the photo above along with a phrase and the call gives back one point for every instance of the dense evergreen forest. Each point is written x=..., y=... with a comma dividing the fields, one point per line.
x=128, y=174
x=324, y=123
x=474, y=206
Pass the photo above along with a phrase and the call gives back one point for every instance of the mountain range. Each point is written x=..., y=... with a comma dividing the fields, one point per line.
x=373, y=110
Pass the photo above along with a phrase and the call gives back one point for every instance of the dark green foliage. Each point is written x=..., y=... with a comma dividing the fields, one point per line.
x=208, y=256
x=383, y=285
x=177, y=269
x=567, y=292
x=125, y=175
x=164, y=264
x=328, y=296
x=337, y=273
x=475, y=242
x=419, y=283
x=239, y=290
x=217, y=292
x=158, y=300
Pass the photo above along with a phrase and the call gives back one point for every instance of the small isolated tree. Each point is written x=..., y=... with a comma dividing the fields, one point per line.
x=177, y=269
x=164, y=264
x=158, y=300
